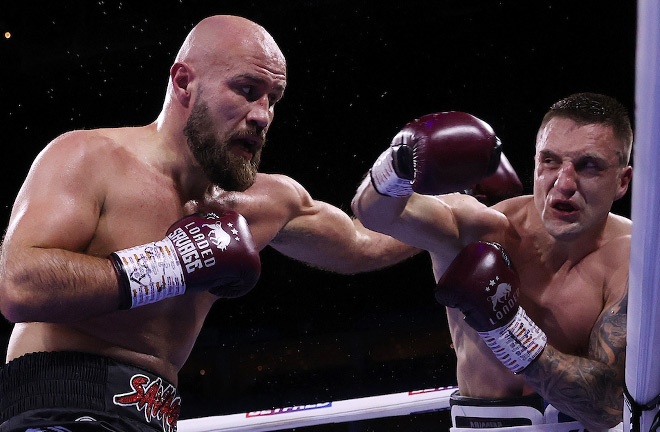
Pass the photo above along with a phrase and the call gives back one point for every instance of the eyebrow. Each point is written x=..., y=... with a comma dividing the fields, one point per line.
x=581, y=158
x=576, y=156
x=259, y=79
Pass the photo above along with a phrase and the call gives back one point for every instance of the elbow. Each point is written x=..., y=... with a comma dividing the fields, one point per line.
x=10, y=311
x=368, y=219
x=370, y=224
x=379, y=217
x=355, y=208
x=613, y=416
x=15, y=303
x=366, y=215
x=608, y=417
x=604, y=423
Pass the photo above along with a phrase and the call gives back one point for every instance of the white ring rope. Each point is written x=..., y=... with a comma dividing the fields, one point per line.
x=390, y=405
x=642, y=360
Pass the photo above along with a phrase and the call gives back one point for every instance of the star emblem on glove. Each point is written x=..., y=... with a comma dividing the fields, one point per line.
x=492, y=283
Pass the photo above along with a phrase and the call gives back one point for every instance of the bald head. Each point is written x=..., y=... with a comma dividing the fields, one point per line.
x=216, y=53
x=215, y=39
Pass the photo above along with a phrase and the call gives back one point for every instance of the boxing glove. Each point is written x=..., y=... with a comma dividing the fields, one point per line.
x=501, y=185
x=437, y=153
x=200, y=252
x=482, y=283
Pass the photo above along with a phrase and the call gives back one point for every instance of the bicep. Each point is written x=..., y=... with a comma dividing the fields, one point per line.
x=607, y=342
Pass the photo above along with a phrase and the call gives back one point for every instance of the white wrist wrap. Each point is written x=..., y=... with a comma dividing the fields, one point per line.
x=154, y=272
x=385, y=180
x=517, y=343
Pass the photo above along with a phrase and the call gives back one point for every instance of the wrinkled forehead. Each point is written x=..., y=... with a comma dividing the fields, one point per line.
x=566, y=136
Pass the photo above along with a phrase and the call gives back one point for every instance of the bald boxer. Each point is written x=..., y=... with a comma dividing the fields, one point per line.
x=535, y=286
x=121, y=240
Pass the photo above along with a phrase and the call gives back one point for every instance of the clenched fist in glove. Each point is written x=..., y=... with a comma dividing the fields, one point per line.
x=201, y=252
x=482, y=283
x=437, y=153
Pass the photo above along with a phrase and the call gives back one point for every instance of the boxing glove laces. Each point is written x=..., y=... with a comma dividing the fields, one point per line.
x=200, y=252
x=482, y=283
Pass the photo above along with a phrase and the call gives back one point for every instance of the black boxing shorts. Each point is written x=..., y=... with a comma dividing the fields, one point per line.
x=71, y=392
x=526, y=413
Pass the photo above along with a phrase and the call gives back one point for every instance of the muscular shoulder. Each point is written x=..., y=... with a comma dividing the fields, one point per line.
x=614, y=249
x=81, y=152
x=618, y=226
x=73, y=160
x=71, y=145
x=515, y=208
x=611, y=261
x=476, y=221
x=284, y=189
x=615, y=252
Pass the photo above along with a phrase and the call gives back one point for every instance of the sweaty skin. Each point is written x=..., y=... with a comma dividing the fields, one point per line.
x=90, y=193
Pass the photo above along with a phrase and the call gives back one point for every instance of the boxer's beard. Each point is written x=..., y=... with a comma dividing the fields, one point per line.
x=221, y=166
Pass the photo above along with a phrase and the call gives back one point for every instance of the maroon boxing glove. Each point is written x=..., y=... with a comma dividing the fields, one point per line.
x=437, y=153
x=201, y=252
x=501, y=185
x=482, y=283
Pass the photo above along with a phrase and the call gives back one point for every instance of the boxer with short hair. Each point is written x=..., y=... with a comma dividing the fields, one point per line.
x=121, y=240
x=536, y=285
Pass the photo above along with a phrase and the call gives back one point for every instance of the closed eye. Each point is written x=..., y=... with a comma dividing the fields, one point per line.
x=590, y=165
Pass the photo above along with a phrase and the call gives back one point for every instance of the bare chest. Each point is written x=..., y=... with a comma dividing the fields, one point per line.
x=565, y=304
x=135, y=214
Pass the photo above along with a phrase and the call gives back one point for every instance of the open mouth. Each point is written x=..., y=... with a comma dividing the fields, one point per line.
x=565, y=211
x=245, y=147
x=564, y=207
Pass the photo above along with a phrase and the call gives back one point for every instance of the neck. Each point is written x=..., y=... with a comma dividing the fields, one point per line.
x=175, y=159
x=556, y=252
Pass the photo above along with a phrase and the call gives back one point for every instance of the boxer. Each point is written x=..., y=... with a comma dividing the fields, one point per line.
x=556, y=259
x=121, y=240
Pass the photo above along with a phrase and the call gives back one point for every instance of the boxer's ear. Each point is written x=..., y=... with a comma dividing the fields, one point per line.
x=182, y=75
x=624, y=182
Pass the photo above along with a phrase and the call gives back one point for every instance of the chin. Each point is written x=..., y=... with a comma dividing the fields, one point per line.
x=562, y=231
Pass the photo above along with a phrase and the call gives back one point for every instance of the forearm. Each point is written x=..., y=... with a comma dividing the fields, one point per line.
x=377, y=212
x=53, y=285
x=331, y=240
x=588, y=390
x=588, y=387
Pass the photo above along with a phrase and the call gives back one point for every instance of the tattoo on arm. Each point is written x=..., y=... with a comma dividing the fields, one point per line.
x=589, y=389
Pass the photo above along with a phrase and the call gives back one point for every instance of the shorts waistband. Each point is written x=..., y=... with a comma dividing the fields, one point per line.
x=74, y=380
x=478, y=413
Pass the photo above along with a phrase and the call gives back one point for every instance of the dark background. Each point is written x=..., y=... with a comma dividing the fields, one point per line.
x=358, y=71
